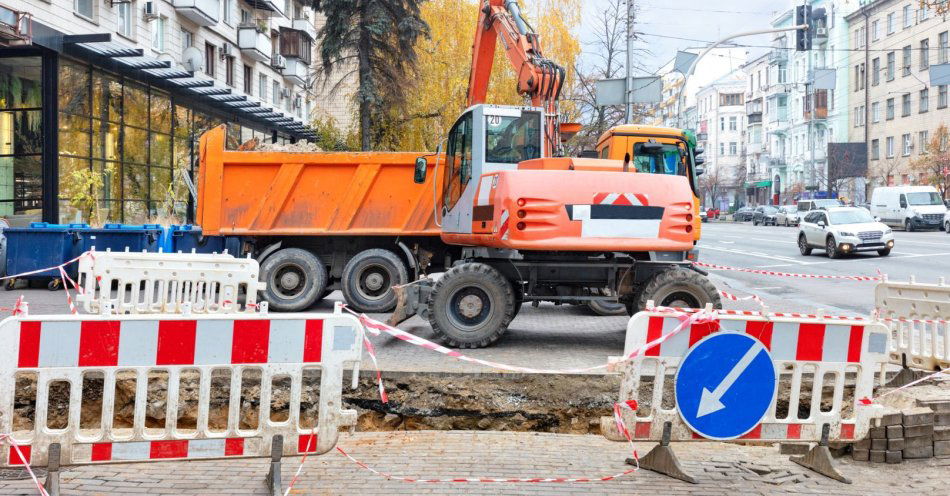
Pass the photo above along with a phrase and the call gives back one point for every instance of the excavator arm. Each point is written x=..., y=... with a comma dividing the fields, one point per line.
x=539, y=78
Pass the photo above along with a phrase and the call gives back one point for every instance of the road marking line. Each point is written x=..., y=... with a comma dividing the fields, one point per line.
x=754, y=254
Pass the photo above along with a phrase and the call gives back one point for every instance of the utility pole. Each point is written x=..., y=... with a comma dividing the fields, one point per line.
x=628, y=114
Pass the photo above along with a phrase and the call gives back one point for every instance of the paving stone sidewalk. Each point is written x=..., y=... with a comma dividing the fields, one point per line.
x=722, y=469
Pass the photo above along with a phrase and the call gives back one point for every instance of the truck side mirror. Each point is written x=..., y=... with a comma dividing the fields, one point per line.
x=422, y=167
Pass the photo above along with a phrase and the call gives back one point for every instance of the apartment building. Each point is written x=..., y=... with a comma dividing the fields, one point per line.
x=721, y=113
x=102, y=101
x=894, y=107
x=758, y=147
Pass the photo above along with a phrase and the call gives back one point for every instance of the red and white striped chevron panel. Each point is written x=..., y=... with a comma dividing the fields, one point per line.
x=121, y=343
x=638, y=199
x=778, y=431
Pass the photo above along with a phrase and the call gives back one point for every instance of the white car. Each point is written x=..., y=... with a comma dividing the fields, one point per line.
x=843, y=230
x=946, y=222
x=787, y=215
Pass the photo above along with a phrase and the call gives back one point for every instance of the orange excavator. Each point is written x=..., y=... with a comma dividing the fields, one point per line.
x=533, y=225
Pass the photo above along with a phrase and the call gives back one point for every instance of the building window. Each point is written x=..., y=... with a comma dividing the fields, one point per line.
x=722, y=148
x=876, y=71
x=733, y=124
x=875, y=149
x=733, y=148
x=245, y=16
x=210, y=57
x=905, y=145
x=908, y=17
x=890, y=109
x=891, y=23
x=227, y=14
x=891, y=63
x=924, y=137
x=730, y=99
x=906, y=61
x=158, y=34
x=857, y=116
x=722, y=123
x=924, y=54
x=187, y=39
x=875, y=31
x=124, y=19
x=262, y=87
x=229, y=71
x=943, y=47
x=942, y=97
x=924, y=100
x=857, y=78
x=889, y=147
x=85, y=8
x=21, y=139
x=276, y=93
x=248, y=80
x=923, y=13
x=905, y=104
x=876, y=112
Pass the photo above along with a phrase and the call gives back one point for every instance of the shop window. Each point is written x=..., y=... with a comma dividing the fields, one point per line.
x=21, y=134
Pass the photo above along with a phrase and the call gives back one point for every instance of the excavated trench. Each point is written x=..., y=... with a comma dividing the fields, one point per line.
x=503, y=402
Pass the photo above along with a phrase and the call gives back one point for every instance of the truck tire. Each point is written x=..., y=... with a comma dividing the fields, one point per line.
x=676, y=287
x=606, y=308
x=471, y=306
x=295, y=278
x=368, y=280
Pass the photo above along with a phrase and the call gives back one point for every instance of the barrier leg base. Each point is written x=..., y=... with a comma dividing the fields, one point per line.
x=52, y=471
x=662, y=460
x=818, y=459
x=905, y=377
x=273, y=475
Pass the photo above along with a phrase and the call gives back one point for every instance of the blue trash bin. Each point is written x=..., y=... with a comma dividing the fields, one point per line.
x=42, y=245
x=188, y=238
x=122, y=237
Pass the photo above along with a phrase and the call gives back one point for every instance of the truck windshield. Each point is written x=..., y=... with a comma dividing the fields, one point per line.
x=924, y=198
x=670, y=159
x=509, y=140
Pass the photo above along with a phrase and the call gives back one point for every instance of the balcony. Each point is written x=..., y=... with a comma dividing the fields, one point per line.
x=15, y=25
x=295, y=71
x=306, y=27
x=267, y=5
x=254, y=43
x=201, y=12
x=296, y=45
x=778, y=55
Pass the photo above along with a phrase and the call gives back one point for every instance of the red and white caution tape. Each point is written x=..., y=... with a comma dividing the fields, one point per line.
x=310, y=447
x=48, y=269
x=16, y=447
x=788, y=274
x=868, y=401
x=485, y=479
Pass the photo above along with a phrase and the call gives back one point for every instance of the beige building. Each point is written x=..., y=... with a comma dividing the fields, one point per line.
x=894, y=108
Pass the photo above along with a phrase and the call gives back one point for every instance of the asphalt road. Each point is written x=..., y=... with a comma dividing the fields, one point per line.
x=925, y=255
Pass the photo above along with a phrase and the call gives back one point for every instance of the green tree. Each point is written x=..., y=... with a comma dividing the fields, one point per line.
x=380, y=37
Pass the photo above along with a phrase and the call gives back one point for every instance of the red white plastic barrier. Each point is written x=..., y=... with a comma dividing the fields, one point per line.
x=786, y=274
x=801, y=348
x=918, y=316
x=220, y=348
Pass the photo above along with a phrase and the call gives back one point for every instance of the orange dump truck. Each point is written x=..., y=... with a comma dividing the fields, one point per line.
x=323, y=221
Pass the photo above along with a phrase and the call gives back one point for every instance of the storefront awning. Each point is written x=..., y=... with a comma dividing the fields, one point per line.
x=763, y=184
x=131, y=62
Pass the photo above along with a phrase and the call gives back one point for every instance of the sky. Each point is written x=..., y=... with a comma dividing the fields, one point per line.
x=710, y=21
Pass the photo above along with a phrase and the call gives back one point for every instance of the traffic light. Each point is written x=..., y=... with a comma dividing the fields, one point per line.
x=803, y=36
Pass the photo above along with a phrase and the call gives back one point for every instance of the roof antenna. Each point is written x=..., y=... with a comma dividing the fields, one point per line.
x=626, y=162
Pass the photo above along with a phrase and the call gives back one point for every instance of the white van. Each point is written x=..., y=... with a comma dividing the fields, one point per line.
x=910, y=207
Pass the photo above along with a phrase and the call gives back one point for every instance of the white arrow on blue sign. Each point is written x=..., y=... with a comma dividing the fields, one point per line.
x=725, y=385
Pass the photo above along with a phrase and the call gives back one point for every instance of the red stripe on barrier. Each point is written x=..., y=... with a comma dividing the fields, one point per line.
x=761, y=331
x=811, y=338
x=250, y=341
x=313, y=341
x=794, y=431
x=654, y=332
x=29, y=345
x=755, y=433
x=99, y=343
x=697, y=436
x=234, y=446
x=622, y=200
x=642, y=430
x=168, y=449
x=14, y=457
x=101, y=452
x=599, y=197
x=855, y=343
x=307, y=443
x=847, y=431
x=176, y=342
x=699, y=330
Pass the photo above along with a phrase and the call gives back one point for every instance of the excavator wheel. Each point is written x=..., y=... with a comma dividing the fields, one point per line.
x=675, y=287
x=471, y=306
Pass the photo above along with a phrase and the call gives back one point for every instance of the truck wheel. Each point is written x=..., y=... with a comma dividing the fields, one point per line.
x=519, y=301
x=606, y=308
x=295, y=278
x=682, y=288
x=471, y=306
x=368, y=280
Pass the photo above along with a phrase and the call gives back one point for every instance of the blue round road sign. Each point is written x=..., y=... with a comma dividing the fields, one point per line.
x=725, y=385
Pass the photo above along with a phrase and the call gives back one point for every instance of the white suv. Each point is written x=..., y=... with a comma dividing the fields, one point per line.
x=843, y=230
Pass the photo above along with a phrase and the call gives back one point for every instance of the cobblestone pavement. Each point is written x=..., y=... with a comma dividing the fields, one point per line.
x=722, y=469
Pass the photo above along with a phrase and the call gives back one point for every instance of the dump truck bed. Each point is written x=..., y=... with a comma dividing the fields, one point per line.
x=260, y=193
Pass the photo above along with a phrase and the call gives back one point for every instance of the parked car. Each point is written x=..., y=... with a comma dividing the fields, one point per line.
x=765, y=215
x=809, y=205
x=703, y=217
x=843, y=230
x=744, y=214
x=712, y=213
x=946, y=222
x=910, y=207
x=787, y=215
